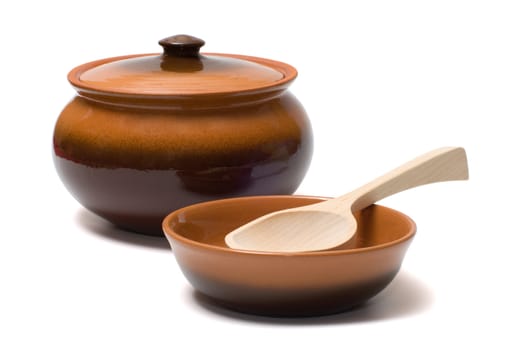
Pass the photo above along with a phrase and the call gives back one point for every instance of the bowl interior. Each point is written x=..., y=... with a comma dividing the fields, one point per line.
x=208, y=223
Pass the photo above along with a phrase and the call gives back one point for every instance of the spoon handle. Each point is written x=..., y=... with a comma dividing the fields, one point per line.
x=442, y=164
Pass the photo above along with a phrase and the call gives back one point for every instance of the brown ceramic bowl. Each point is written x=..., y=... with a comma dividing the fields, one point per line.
x=280, y=284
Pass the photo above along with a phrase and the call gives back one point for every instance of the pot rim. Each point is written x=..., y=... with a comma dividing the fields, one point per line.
x=289, y=75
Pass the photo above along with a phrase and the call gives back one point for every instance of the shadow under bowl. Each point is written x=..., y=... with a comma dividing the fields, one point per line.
x=286, y=284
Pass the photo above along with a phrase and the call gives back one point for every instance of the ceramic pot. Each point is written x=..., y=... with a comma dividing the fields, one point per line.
x=148, y=134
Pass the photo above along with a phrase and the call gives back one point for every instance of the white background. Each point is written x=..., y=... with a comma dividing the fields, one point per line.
x=383, y=81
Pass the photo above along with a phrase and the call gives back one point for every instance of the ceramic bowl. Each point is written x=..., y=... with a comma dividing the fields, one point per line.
x=281, y=284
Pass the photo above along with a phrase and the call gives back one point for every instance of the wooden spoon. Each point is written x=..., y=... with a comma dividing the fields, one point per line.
x=330, y=223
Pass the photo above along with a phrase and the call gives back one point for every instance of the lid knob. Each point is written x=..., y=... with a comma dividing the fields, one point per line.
x=181, y=46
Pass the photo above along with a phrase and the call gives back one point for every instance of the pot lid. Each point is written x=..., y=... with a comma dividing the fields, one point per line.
x=181, y=70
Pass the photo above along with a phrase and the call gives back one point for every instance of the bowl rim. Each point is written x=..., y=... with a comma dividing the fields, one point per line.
x=170, y=233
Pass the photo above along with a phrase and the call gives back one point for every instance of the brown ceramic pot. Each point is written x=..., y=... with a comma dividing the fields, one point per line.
x=148, y=134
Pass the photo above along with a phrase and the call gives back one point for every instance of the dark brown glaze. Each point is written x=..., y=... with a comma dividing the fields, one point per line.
x=181, y=45
x=133, y=167
x=299, y=284
x=289, y=303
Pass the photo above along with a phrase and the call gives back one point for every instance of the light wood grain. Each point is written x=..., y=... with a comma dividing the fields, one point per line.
x=331, y=223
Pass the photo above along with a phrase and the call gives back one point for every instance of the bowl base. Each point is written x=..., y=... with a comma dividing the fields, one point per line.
x=293, y=302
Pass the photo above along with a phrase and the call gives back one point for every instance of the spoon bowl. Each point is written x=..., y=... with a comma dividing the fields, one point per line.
x=272, y=236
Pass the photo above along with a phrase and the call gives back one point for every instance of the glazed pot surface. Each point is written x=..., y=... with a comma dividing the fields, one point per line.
x=148, y=133
x=133, y=167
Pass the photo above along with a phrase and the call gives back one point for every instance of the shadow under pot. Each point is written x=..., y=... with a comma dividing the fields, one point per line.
x=147, y=134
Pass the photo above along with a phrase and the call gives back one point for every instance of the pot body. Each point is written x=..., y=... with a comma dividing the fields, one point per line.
x=133, y=165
